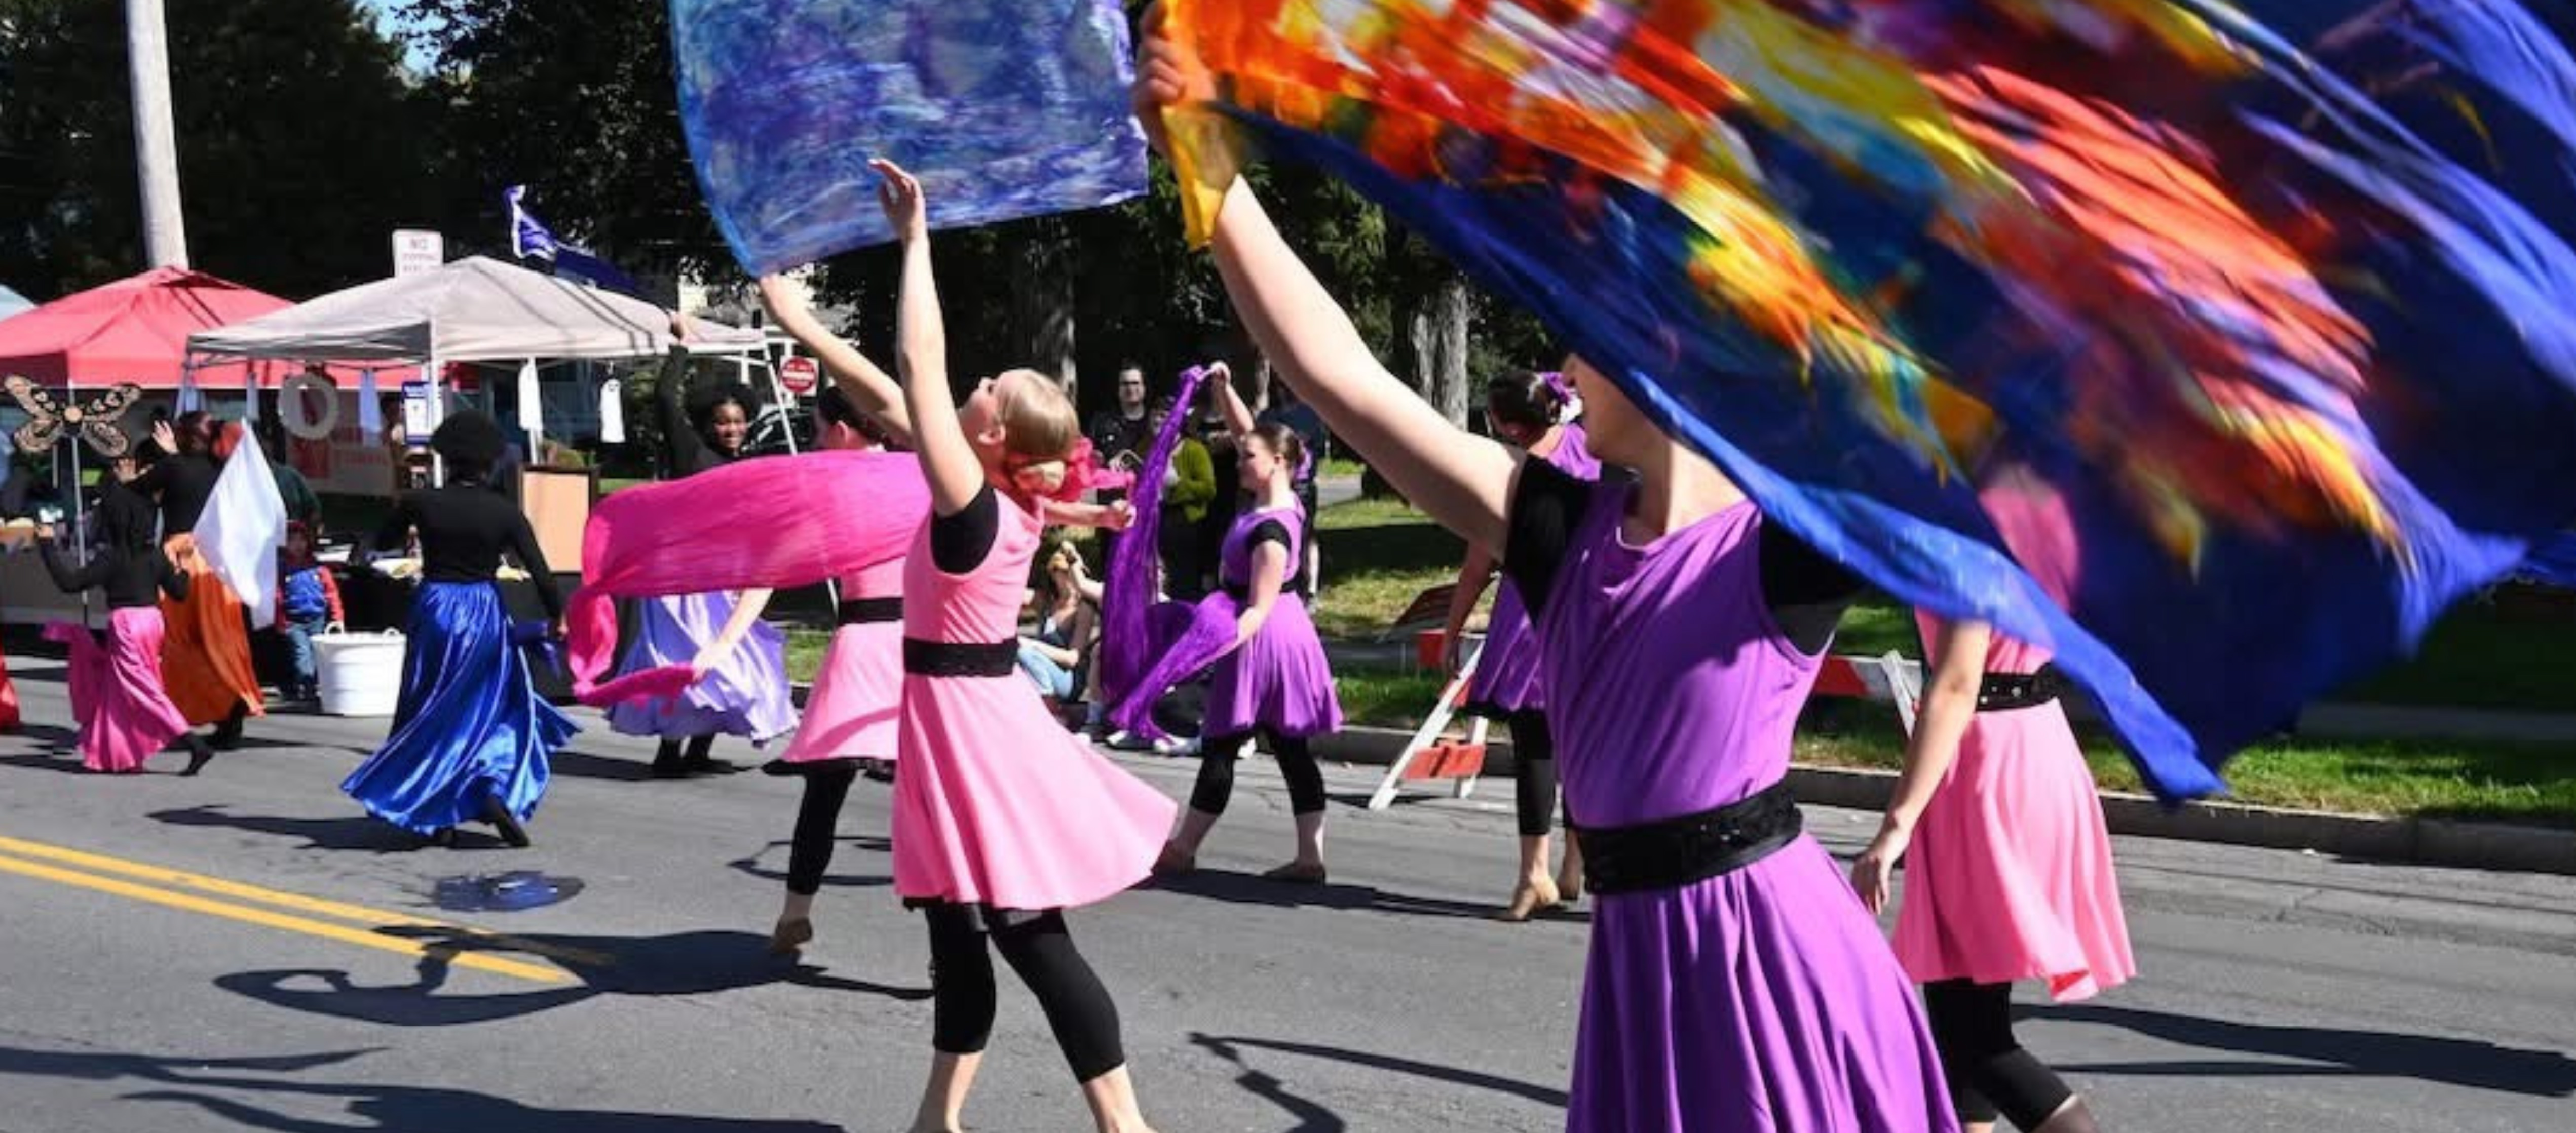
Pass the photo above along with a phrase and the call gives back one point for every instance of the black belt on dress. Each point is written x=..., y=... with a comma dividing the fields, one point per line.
x=960, y=658
x=2000, y=692
x=861, y=611
x=1694, y=847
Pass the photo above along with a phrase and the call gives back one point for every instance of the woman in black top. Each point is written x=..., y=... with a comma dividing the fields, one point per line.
x=470, y=736
x=117, y=695
x=740, y=691
x=206, y=662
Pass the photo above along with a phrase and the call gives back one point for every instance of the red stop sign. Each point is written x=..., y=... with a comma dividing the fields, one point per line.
x=799, y=375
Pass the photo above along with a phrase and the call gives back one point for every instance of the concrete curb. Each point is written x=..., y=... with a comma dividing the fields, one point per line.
x=2417, y=841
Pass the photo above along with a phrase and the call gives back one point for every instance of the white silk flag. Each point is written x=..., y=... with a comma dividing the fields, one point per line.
x=242, y=527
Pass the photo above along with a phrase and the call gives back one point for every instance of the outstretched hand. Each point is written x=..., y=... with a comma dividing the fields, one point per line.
x=1167, y=74
x=899, y=193
x=778, y=296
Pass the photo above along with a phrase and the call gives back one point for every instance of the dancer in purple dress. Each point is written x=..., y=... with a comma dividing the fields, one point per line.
x=1275, y=682
x=743, y=688
x=1532, y=412
x=1734, y=980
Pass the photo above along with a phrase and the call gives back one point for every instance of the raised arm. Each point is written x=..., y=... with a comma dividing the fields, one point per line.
x=867, y=386
x=948, y=461
x=1957, y=669
x=1462, y=480
x=1238, y=416
x=681, y=445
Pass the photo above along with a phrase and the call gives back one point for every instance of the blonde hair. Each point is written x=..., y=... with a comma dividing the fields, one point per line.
x=1039, y=429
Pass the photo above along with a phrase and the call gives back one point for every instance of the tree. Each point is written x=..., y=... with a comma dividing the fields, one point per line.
x=575, y=99
x=301, y=144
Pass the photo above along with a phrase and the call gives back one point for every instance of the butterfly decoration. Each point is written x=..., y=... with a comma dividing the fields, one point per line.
x=95, y=420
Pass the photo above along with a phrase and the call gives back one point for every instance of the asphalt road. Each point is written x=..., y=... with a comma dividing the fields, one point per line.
x=298, y=976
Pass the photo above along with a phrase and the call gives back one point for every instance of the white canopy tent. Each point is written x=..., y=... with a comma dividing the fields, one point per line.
x=471, y=310
x=11, y=303
x=476, y=309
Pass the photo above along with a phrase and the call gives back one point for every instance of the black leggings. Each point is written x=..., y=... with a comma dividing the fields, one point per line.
x=1296, y=764
x=667, y=753
x=818, y=818
x=1533, y=772
x=1990, y=1074
x=1041, y=950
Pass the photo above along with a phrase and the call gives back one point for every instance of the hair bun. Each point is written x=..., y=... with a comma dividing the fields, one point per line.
x=1040, y=477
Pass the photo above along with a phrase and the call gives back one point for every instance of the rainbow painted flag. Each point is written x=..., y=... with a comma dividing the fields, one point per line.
x=2218, y=349
x=1003, y=108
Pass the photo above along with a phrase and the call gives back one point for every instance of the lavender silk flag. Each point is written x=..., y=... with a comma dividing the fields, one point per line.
x=1003, y=108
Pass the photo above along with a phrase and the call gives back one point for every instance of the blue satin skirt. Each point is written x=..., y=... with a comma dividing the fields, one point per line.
x=469, y=723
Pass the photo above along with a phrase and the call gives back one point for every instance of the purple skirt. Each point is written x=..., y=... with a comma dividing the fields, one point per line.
x=1279, y=680
x=746, y=696
x=1763, y=999
x=1507, y=670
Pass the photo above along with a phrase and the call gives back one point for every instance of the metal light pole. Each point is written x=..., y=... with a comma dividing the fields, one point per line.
x=156, y=149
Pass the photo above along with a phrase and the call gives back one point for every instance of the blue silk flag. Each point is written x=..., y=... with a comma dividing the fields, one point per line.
x=2217, y=348
x=2554, y=564
x=1003, y=108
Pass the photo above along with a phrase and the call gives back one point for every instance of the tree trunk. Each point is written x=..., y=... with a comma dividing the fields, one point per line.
x=1451, y=311
x=1042, y=298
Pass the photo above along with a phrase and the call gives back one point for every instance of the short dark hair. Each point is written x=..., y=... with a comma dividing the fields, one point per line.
x=469, y=441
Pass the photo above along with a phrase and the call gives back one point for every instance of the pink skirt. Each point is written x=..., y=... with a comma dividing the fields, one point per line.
x=852, y=710
x=999, y=805
x=124, y=712
x=2009, y=877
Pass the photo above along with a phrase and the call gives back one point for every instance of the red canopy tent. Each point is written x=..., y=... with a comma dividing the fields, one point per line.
x=133, y=330
x=136, y=330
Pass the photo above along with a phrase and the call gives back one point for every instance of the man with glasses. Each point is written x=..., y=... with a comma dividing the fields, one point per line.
x=1120, y=437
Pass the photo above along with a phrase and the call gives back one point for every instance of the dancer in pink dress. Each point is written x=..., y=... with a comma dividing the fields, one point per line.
x=850, y=714
x=2009, y=877
x=1002, y=818
x=124, y=710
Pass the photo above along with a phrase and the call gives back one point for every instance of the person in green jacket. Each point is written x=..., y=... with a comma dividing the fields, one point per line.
x=1189, y=486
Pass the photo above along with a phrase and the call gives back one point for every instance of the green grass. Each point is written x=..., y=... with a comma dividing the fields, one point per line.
x=2507, y=782
x=1335, y=466
x=1378, y=555
x=1386, y=698
x=2484, y=656
x=2502, y=655
x=2493, y=782
x=805, y=645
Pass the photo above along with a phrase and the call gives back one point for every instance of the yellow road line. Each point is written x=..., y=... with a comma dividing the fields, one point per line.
x=164, y=875
x=245, y=913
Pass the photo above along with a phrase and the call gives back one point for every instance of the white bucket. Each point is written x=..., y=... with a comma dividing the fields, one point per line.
x=360, y=673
